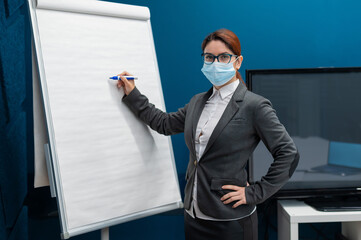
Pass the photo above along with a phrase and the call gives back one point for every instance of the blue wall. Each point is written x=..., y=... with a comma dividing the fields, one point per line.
x=273, y=34
x=13, y=120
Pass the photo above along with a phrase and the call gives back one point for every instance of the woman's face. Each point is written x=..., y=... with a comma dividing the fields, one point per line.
x=217, y=47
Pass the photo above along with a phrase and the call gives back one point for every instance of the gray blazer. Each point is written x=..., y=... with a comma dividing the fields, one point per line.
x=247, y=119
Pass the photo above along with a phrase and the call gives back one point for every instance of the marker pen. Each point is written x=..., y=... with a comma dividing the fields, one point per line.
x=127, y=77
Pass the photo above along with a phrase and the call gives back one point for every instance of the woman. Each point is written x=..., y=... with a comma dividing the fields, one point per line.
x=221, y=128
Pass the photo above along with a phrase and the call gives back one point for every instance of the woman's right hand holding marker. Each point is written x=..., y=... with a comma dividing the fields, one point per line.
x=127, y=85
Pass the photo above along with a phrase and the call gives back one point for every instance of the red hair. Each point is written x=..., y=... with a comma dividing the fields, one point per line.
x=230, y=39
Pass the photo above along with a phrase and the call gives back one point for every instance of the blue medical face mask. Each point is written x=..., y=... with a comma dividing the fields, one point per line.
x=219, y=73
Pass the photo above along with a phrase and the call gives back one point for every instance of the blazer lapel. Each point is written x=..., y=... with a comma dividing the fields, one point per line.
x=231, y=109
x=198, y=108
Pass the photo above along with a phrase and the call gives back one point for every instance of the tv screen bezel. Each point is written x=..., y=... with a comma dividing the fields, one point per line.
x=300, y=193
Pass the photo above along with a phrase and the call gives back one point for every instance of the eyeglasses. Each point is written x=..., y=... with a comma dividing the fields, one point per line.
x=208, y=58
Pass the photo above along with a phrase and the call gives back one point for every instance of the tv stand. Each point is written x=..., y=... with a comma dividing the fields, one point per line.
x=292, y=212
x=335, y=203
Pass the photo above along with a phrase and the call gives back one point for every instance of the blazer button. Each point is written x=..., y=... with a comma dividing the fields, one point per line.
x=195, y=162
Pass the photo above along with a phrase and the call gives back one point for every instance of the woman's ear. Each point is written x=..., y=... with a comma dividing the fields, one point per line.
x=240, y=60
x=238, y=63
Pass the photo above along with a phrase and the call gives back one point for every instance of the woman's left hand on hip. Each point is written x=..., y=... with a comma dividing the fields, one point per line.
x=238, y=195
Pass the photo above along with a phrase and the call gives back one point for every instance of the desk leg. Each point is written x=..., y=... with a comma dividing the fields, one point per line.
x=286, y=230
x=294, y=231
x=351, y=230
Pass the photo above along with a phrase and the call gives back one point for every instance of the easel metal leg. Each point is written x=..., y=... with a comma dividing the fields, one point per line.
x=105, y=234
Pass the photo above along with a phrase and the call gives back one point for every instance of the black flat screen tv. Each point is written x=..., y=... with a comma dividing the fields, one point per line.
x=321, y=110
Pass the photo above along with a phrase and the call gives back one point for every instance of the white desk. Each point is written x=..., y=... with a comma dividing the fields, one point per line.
x=292, y=212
